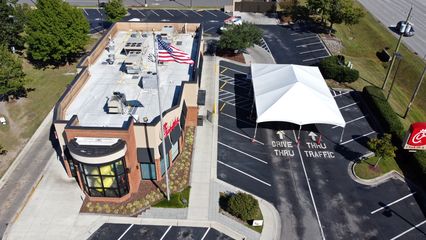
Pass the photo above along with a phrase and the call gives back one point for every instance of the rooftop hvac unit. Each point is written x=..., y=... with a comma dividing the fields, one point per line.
x=117, y=103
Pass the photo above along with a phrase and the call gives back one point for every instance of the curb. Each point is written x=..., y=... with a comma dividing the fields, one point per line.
x=374, y=181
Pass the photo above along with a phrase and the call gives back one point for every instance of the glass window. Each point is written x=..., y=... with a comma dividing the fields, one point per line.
x=163, y=169
x=106, y=180
x=175, y=150
x=148, y=171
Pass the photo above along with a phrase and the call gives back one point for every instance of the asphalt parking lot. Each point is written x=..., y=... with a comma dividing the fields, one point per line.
x=212, y=20
x=297, y=44
x=115, y=231
x=309, y=183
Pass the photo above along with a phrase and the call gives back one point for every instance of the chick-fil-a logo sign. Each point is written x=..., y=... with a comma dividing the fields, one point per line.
x=417, y=138
x=168, y=129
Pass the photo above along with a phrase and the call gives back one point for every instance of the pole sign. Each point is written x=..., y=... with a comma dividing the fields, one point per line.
x=416, y=137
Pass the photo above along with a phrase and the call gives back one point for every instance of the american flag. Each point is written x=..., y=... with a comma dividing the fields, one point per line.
x=169, y=53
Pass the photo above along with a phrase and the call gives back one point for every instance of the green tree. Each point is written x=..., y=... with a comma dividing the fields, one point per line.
x=382, y=147
x=240, y=37
x=319, y=7
x=12, y=78
x=343, y=11
x=57, y=32
x=115, y=10
x=12, y=22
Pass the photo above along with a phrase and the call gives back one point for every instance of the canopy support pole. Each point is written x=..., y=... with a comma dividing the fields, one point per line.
x=298, y=134
x=255, y=131
x=251, y=111
x=341, y=136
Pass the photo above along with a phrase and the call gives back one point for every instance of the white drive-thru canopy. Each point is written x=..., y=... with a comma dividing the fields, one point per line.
x=293, y=93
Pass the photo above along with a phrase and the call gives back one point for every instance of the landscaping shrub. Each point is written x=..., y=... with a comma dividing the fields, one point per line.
x=385, y=114
x=243, y=206
x=331, y=69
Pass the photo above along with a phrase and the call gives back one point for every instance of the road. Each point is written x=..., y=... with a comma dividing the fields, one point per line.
x=16, y=187
x=141, y=3
x=390, y=12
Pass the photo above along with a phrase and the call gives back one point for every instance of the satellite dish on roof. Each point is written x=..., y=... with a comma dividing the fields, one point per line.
x=135, y=20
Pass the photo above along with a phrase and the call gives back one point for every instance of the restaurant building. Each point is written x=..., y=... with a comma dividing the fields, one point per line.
x=107, y=122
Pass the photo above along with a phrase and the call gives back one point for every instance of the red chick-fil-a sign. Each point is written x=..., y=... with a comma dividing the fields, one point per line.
x=416, y=138
x=168, y=129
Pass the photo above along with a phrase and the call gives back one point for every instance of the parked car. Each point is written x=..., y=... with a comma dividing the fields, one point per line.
x=405, y=28
x=234, y=20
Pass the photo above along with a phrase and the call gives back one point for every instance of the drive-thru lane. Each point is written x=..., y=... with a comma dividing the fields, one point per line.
x=311, y=188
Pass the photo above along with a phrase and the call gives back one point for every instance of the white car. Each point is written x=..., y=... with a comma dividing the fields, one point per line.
x=405, y=28
x=234, y=20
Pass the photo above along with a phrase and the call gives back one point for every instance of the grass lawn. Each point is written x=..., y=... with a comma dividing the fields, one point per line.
x=176, y=200
x=26, y=114
x=361, y=42
x=365, y=169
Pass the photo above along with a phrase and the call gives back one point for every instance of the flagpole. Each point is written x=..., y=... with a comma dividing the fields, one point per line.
x=161, y=117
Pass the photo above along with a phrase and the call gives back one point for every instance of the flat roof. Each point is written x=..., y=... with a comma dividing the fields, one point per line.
x=90, y=104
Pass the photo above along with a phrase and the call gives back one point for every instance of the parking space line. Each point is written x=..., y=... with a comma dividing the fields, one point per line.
x=351, y=121
x=316, y=50
x=232, y=104
x=242, y=135
x=205, y=234
x=165, y=233
x=209, y=29
x=141, y=13
x=392, y=203
x=353, y=139
x=248, y=175
x=234, y=70
x=197, y=13
x=224, y=98
x=239, y=96
x=349, y=105
x=308, y=44
x=292, y=34
x=122, y=235
x=248, y=155
x=155, y=13
x=300, y=39
x=85, y=11
x=338, y=95
x=408, y=230
x=168, y=12
x=224, y=70
x=186, y=15
x=238, y=119
x=309, y=187
x=98, y=10
x=312, y=59
x=211, y=13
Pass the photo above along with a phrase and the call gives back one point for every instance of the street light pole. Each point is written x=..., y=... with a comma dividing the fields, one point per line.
x=396, y=50
x=399, y=56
